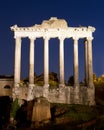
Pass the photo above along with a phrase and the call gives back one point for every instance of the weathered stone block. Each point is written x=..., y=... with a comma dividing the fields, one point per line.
x=41, y=110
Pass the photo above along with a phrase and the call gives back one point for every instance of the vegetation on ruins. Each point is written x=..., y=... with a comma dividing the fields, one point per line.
x=98, y=81
x=14, y=108
x=54, y=81
x=39, y=80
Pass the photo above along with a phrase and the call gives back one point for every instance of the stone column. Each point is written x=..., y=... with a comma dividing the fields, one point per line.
x=46, y=63
x=61, y=62
x=90, y=89
x=76, y=73
x=17, y=66
x=30, y=95
x=31, y=63
x=86, y=61
x=90, y=66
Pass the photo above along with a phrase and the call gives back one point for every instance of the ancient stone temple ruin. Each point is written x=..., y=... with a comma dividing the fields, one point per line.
x=55, y=28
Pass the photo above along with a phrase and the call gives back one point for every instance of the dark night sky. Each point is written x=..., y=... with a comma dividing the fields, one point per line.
x=30, y=12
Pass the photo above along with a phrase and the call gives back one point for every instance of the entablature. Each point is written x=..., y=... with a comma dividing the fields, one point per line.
x=53, y=33
x=50, y=29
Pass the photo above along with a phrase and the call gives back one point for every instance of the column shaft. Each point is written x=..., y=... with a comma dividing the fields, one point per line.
x=30, y=95
x=76, y=73
x=17, y=67
x=61, y=62
x=90, y=67
x=86, y=61
x=46, y=63
x=31, y=64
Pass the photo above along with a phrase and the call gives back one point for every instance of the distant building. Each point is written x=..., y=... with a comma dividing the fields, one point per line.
x=6, y=85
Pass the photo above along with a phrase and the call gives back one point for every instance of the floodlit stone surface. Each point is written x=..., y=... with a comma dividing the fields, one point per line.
x=41, y=110
x=53, y=22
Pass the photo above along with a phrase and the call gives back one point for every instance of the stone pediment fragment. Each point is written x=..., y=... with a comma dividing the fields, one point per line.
x=53, y=22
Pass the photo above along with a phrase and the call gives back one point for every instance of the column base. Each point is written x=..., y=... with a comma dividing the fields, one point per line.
x=91, y=85
x=16, y=91
x=91, y=96
x=61, y=85
x=30, y=92
x=45, y=90
x=76, y=94
x=76, y=85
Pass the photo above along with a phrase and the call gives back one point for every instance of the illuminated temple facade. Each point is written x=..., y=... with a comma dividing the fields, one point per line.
x=55, y=28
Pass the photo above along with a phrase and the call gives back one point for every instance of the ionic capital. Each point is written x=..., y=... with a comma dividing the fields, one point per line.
x=17, y=37
x=75, y=38
x=46, y=38
x=61, y=38
x=89, y=38
x=32, y=38
x=92, y=29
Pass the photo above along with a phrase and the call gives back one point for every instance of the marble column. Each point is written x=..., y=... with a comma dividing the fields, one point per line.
x=86, y=61
x=61, y=62
x=30, y=95
x=46, y=62
x=31, y=63
x=90, y=66
x=76, y=73
x=17, y=66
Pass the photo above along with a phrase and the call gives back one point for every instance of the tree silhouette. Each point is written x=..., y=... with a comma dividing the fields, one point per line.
x=71, y=80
